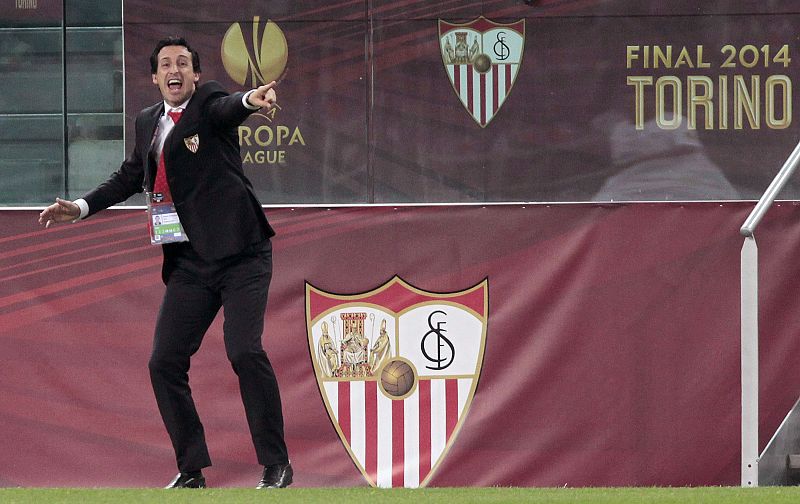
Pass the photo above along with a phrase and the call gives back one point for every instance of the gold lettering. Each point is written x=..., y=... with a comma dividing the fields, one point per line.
x=638, y=83
x=658, y=54
x=297, y=137
x=695, y=99
x=244, y=136
x=723, y=102
x=282, y=133
x=632, y=53
x=700, y=62
x=261, y=157
x=261, y=130
x=746, y=101
x=684, y=59
x=662, y=119
x=273, y=112
x=785, y=83
x=747, y=98
x=264, y=136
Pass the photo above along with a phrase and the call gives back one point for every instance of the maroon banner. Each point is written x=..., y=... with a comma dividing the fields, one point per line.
x=311, y=148
x=611, y=348
x=557, y=101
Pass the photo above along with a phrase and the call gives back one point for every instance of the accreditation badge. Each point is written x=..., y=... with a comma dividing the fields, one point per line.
x=163, y=221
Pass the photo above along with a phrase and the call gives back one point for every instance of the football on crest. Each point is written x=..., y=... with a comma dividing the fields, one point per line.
x=397, y=378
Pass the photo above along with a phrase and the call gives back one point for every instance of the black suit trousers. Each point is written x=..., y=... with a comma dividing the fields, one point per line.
x=195, y=292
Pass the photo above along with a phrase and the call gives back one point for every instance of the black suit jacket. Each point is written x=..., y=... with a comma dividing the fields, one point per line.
x=215, y=201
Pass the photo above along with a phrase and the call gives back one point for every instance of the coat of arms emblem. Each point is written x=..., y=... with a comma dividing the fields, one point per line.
x=482, y=59
x=397, y=368
x=192, y=143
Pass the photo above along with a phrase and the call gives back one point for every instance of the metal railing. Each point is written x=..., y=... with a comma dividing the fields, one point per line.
x=786, y=171
x=749, y=320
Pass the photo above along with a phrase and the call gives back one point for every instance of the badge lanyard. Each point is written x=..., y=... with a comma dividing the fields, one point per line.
x=163, y=222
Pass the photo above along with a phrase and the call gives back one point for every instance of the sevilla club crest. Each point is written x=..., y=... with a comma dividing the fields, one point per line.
x=482, y=59
x=192, y=143
x=397, y=368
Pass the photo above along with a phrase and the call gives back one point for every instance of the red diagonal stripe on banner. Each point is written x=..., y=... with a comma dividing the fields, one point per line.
x=451, y=398
x=68, y=265
x=371, y=424
x=76, y=299
x=59, y=230
x=424, y=388
x=336, y=227
x=68, y=242
x=414, y=9
x=344, y=410
x=291, y=220
x=77, y=281
x=334, y=10
x=321, y=223
x=53, y=258
x=397, y=297
x=547, y=8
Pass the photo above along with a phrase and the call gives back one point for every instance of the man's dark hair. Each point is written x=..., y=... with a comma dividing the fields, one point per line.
x=174, y=41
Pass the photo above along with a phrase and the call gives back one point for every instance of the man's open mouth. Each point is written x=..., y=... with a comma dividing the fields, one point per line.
x=174, y=84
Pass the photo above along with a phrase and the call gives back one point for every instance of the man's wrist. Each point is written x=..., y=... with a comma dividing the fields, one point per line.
x=84, y=206
x=246, y=101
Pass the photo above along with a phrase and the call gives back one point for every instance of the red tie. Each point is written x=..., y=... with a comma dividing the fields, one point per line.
x=160, y=185
x=175, y=115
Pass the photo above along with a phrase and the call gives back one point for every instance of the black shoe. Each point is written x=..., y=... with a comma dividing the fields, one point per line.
x=276, y=476
x=188, y=480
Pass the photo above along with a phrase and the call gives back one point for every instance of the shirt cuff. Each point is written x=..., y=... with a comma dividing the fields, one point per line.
x=246, y=103
x=84, y=208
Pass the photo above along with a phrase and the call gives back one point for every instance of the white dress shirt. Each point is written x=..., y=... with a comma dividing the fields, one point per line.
x=165, y=125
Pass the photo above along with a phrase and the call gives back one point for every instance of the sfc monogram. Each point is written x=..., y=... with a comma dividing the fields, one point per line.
x=482, y=59
x=397, y=368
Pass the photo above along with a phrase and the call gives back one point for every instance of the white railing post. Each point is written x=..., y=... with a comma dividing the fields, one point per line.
x=749, y=320
x=749, y=339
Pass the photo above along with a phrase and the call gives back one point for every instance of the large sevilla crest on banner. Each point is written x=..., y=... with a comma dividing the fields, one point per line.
x=397, y=368
x=482, y=59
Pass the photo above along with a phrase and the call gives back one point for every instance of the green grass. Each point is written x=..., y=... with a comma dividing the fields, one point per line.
x=726, y=495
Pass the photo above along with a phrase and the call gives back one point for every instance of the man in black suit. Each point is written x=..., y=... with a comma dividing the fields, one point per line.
x=187, y=153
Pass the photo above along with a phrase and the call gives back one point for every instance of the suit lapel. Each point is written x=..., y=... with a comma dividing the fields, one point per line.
x=151, y=126
x=190, y=113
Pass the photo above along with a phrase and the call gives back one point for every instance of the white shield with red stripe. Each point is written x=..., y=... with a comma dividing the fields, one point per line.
x=397, y=368
x=482, y=59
